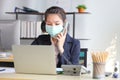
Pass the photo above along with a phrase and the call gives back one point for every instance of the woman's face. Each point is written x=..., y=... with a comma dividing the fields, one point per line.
x=54, y=20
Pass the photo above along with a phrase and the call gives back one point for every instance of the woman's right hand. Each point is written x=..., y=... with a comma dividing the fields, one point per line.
x=60, y=41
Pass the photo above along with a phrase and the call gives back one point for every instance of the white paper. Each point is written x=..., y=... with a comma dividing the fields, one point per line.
x=7, y=70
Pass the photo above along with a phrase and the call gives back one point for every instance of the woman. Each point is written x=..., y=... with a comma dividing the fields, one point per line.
x=67, y=49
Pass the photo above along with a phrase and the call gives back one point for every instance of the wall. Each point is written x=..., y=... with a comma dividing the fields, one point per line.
x=103, y=24
x=34, y=4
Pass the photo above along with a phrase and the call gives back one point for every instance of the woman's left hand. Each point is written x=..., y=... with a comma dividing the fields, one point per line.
x=60, y=41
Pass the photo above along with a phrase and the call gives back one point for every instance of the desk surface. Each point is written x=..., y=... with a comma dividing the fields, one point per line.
x=13, y=76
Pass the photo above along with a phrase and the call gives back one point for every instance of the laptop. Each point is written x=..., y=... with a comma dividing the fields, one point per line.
x=34, y=59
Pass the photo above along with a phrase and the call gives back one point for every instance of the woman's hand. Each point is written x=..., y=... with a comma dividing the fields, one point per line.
x=60, y=41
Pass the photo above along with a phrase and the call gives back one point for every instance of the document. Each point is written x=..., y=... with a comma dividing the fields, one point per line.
x=7, y=70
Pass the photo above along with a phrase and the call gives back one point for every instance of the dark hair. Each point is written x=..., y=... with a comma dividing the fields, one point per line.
x=43, y=26
x=56, y=10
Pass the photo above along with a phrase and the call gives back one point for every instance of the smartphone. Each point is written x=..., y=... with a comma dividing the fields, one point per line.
x=65, y=26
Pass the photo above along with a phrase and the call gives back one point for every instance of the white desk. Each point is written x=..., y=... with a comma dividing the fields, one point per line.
x=13, y=76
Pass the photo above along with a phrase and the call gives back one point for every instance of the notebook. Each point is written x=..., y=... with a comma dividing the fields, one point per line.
x=34, y=59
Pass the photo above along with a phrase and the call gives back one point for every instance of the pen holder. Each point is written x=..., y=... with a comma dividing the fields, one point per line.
x=99, y=60
x=98, y=70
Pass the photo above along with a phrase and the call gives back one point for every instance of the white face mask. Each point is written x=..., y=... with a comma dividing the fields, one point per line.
x=54, y=30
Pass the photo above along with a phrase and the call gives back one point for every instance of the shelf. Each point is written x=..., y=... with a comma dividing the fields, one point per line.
x=77, y=13
x=31, y=13
x=36, y=37
x=83, y=39
x=41, y=13
x=42, y=16
x=27, y=38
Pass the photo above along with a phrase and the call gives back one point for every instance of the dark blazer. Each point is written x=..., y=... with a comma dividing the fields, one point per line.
x=42, y=40
x=71, y=49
